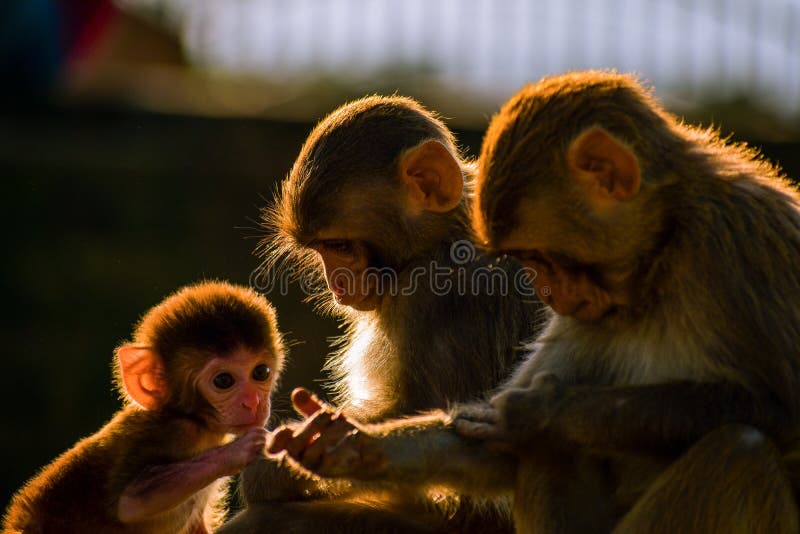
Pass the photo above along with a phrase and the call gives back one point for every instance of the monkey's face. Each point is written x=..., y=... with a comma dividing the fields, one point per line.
x=238, y=386
x=345, y=264
x=577, y=224
x=566, y=280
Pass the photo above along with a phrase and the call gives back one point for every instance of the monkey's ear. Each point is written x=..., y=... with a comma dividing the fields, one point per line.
x=432, y=176
x=607, y=167
x=142, y=373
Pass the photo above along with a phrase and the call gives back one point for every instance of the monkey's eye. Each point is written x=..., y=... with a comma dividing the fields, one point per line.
x=261, y=373
x=224, y=381
x=339, y=246
x=568, y=263
x=526, y=255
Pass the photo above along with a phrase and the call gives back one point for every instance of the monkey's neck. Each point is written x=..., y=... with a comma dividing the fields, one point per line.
x=431, y=234
x=366, y=373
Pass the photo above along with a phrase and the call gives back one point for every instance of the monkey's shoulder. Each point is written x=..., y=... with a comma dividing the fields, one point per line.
x=139, y=439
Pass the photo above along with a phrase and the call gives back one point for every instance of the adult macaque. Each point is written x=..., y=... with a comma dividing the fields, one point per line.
x=670, y=258
x=375, y=207
x=200, y=369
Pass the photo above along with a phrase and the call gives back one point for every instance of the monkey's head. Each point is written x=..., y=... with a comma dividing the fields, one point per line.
x=377, y=183
x=570, y=181
x=210, y=351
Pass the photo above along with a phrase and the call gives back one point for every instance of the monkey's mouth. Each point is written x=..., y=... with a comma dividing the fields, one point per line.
x=241, y=428
x=366, y=301
x=257, y=419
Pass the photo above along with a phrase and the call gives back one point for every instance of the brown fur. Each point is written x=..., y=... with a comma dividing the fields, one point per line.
x=414, y=352
x=79, y=491
x=660, y=414
x=710, y=242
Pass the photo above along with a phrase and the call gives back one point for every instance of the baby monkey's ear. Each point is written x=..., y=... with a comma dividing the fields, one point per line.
x=143, y=375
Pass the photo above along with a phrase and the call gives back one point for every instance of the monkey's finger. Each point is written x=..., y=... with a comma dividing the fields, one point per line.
x=256, y=433
x=258, y=441
x=279, y=439
x=484, y=414
x=254, y=451
x=326, y=441
x=307, y=403
x=316, y=425
x=473, y=429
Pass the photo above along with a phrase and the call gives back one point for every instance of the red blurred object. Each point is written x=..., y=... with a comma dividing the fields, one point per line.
x=86, y=23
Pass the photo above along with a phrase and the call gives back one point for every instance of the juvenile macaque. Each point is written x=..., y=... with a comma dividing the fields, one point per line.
x=198, y=372
x=660, y=395
x=376, y=206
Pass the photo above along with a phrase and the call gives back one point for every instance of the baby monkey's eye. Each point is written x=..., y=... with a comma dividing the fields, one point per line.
x=224, y=381
x=261, y=373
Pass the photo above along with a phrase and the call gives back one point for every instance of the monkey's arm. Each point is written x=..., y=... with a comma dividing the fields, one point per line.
x=412, y=451
x=268, y=480
x=665, y=416
x=161, y=488
x=658, y=418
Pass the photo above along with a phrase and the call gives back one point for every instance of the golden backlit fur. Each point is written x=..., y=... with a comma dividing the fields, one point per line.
x=662, y=413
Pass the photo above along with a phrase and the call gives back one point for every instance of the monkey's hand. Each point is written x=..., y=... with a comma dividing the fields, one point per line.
x=528, y=413
x=328, y=443
x=478, y=421
x=244, y=449
x=515, y=416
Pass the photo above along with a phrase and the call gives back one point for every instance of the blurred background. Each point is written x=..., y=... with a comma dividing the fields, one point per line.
x=140, y=138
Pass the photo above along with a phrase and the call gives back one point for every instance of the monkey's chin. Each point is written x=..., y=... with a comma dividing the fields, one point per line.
x=367, y=302
x=584, y=311
x=241, y=429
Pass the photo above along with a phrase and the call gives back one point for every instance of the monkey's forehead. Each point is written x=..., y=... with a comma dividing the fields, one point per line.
x=344, y=212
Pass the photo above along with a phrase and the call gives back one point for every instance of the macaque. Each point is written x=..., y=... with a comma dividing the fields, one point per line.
x=663, y=392
x=375, y=209
x=196, y=382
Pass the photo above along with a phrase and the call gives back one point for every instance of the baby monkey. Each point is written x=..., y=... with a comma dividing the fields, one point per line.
x=199, y=370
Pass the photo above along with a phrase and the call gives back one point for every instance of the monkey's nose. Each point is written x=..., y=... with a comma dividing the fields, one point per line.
x=251, y=400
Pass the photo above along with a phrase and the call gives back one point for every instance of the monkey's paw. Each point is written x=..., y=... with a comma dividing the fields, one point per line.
x=357, y=455
x=245, y=449
x=479, y=421
x=526, y=413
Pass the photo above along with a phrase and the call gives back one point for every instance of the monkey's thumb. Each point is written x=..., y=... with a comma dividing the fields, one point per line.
x=306, y=402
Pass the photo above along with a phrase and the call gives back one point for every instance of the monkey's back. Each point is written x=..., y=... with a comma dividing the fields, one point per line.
x=65, y=495
x=79, y=491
